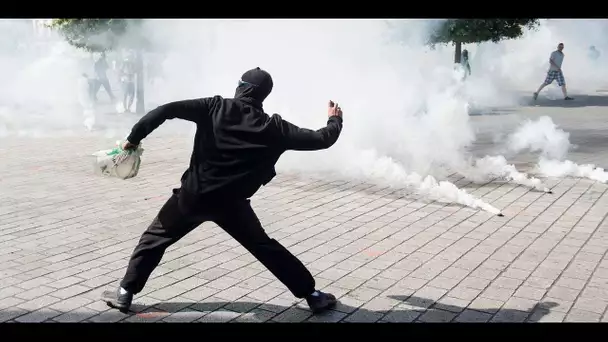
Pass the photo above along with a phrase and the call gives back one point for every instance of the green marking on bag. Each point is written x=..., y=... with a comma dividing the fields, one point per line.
x=114, y=151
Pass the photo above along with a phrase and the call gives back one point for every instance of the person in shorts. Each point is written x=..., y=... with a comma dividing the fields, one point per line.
x=555, y=72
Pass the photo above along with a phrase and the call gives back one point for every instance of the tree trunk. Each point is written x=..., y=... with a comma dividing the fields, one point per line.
x=139, y=67
x=457, y=52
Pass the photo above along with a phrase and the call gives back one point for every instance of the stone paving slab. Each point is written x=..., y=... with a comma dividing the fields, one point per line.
x=66, y=235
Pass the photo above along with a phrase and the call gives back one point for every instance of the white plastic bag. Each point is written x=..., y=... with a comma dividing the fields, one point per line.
x=117, y=162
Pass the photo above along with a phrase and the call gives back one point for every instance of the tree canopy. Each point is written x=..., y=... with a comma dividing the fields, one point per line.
x=468, y=31
x=97, y=35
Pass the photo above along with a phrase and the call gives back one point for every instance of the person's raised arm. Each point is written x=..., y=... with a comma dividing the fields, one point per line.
x=303, y=139
x=191, y=110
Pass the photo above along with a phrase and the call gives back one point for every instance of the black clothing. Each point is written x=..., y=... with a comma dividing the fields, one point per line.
x=117, y=300
x=236, y=144
x=101, y=66
x=321, y=302
x=103, y=81
x=182, y=213
x=235, y=149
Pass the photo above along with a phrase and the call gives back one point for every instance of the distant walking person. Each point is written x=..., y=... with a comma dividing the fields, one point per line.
x=555, y=72
x=464, y=61
x=594, y=53
x=101, y=68
x=128, y=83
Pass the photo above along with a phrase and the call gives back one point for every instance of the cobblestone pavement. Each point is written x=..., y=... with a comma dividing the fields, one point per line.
x=66, y=235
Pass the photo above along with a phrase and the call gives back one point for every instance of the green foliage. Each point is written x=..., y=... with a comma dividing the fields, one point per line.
x=93, y=35
x=96, y=35
x=468, y=31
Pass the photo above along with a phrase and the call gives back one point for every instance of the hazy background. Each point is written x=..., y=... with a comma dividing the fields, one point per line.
x=403, y=101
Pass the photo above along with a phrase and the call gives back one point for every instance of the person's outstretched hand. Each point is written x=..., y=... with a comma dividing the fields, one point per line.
x=334, y=109
x=128, y=146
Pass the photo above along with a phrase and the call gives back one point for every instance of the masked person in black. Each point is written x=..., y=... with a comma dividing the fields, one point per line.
x=235, y=149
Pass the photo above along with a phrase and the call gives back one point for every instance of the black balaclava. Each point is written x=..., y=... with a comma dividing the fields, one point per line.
x=254, y=87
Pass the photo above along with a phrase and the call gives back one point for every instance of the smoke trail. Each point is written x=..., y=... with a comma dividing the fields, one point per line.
x=555, y=168
x=491, y=167
x=542, y=136
x=553, y=144
x=384, y=170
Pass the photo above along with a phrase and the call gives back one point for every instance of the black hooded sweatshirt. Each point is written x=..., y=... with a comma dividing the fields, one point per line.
x=236, y=145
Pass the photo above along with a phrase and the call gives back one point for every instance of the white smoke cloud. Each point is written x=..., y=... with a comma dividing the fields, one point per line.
x=552, y=143
x=540, y=136
x=406, y=108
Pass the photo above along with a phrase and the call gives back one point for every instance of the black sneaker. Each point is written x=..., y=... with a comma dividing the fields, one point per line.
x=119, y=301
x=535, y=96
x=321, y=302
x=568, y=98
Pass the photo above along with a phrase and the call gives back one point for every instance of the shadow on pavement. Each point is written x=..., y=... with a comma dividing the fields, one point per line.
x=405, y=309
x=579, y=101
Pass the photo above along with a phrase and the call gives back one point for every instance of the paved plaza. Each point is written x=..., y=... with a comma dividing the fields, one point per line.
x=66, y=236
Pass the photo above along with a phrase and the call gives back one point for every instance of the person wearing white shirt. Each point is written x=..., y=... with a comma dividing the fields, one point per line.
x=555, y=72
